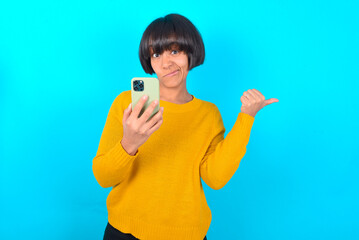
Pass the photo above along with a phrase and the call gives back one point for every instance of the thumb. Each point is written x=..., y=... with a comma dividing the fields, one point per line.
x=270, y=101
x=127, y=113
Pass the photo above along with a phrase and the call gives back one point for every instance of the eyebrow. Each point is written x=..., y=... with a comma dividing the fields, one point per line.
x=168, y=46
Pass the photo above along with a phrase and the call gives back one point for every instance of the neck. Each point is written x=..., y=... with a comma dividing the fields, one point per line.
x=175, y=96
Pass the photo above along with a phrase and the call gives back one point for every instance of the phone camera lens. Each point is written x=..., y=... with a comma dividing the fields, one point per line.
x=138, y=85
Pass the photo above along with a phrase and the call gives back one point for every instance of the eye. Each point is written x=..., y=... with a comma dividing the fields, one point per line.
x=155, y=55
x=174, y=52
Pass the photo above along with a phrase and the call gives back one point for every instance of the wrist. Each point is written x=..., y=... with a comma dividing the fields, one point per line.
x=250, y=114
x=131, y=150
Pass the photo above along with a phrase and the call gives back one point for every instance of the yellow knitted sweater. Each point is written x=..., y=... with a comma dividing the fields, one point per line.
x=157, y=194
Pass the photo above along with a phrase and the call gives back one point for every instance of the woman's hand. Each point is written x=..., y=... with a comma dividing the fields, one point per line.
x=253, y=101
x=136, y=130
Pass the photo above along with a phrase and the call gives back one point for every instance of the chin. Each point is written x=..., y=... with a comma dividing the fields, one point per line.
x=170, y=83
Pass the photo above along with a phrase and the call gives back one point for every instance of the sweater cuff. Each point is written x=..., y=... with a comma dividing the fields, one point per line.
x=246, y=118
x=244, y=125
x=119, y=154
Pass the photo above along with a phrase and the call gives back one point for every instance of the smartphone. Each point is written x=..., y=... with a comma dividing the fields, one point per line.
x=145, y=86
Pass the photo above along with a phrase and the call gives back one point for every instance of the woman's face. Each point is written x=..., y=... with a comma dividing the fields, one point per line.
x=171, y=67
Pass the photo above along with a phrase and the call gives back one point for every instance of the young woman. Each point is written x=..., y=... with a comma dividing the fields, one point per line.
x=155, y=167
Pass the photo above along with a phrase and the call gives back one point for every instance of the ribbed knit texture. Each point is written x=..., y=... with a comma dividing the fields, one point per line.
x=157, y=194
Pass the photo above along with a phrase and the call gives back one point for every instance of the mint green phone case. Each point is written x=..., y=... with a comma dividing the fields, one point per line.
x=145, y=86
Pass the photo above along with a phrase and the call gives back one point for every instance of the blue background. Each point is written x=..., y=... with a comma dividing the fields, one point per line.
x=62, y=63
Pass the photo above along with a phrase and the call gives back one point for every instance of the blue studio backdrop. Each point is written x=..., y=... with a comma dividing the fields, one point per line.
x=62, y=63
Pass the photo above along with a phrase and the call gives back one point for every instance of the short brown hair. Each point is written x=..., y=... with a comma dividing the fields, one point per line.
x=164, y=32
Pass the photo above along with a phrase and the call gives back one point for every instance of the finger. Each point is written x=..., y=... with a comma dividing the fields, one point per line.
x=154, y=119
x=155, y=127
x=249, y=96
x=146, y=115
x=255, y=95
x=270, y=101
x=259, y=94
x=137, y=109
x=127, y=113
x=244, y=100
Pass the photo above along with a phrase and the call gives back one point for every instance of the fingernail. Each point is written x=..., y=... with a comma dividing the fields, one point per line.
x=144, y=97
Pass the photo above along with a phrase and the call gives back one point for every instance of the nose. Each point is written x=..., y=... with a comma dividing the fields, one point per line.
x=166, y=60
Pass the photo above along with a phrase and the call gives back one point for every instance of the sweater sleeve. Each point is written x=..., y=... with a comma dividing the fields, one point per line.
x=112, y=163
x=224, y=154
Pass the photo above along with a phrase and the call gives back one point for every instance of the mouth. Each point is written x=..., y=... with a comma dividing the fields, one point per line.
x=171, y=73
